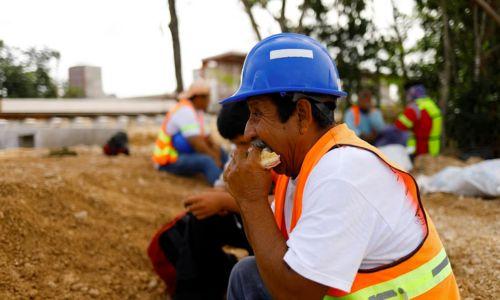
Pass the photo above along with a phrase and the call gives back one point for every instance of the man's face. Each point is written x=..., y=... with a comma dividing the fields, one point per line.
x=264, y=124
x=365, y=103
x=201, y=102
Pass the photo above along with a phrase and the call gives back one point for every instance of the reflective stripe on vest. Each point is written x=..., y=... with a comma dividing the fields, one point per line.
x=406, y=286
x=425, y=273
x=405, y=121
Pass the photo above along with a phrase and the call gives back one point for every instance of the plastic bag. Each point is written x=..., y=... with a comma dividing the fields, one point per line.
x=481, y=179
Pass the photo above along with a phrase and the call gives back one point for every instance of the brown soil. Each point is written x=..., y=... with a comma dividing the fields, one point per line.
x=78, y=227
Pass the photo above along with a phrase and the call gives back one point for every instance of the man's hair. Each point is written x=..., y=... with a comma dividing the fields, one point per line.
x=232, y=119
x=322, y=112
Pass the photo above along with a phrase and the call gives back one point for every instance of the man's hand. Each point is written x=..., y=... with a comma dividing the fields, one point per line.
x=217, y=159
x=205, y=205
x=245, y=178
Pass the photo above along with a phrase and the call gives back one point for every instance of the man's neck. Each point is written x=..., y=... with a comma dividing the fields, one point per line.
x=308, y=142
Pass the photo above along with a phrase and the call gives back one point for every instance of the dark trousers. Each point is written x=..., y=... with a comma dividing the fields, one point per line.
x=195, y=249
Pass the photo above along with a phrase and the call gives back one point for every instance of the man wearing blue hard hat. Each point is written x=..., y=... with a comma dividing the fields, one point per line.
x=346, y=223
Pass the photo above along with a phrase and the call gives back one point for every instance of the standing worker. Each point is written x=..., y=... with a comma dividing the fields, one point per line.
x=364, y=119
x=422, y=118
x=346, y=223
x=183, y=145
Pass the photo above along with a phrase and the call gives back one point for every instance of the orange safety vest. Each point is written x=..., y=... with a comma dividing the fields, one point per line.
x=164, y=152
x=356, y=114
x=423, y=274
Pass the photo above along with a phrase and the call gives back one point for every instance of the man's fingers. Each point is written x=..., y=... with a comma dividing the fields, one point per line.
x=239, y=154
x=254, y=154
x=190, y=201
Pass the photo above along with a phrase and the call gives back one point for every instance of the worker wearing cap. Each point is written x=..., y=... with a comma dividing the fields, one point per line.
x=346, y=222
x=364, y=119
x=422, y=118
x=183, y=145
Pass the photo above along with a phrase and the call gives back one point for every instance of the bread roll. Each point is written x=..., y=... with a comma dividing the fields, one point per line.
x=269, y=159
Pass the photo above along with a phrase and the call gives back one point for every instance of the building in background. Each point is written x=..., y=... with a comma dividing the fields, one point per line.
x=223, y=72
x=88, y=80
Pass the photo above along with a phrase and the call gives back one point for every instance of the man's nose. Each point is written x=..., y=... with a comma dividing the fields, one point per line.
x=250, y=132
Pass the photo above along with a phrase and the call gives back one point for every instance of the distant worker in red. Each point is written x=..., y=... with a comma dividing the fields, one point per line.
x=422, y=118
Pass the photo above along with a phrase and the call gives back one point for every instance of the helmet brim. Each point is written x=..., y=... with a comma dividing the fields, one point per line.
x=243, y=96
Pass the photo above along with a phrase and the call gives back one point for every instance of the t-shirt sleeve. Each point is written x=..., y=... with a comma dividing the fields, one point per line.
x=377, y=121
x=349, y=120
x=331, y=237
x=186, y=122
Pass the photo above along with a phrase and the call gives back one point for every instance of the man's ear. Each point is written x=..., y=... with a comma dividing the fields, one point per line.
x=304, y=113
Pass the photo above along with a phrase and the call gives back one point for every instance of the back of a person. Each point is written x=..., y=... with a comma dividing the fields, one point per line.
x=425, y=126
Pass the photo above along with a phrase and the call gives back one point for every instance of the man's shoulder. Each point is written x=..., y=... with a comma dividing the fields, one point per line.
x=182, y=114
x=347, y=163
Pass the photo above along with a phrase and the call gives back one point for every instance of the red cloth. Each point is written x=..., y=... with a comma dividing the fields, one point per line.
x=422, y=125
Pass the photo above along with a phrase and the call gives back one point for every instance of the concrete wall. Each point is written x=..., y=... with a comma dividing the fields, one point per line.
x=13, y=135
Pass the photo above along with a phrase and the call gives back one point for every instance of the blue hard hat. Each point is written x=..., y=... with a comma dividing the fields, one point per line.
x=288, y=62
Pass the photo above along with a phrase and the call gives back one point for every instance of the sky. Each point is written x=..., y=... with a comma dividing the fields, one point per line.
x=130, y=39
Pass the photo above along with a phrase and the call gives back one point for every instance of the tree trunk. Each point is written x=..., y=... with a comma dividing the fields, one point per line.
x=248, y=10
x=282, y=19
x=446, y=73
x=401, y=50
x=479, y=24
x=300, y=26
x=174, y=30
x=489, y=10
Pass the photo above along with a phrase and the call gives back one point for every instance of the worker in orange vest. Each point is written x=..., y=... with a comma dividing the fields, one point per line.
x=364, y=119
x=346, y=223
x=183, y=145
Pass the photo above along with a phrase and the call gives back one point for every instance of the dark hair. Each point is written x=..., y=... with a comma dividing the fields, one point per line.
x=232, y=119
x=322, y=112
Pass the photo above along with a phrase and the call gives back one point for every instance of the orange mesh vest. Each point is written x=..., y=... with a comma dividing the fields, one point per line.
x=423, y=274
x=356, y=114
x=164, y=152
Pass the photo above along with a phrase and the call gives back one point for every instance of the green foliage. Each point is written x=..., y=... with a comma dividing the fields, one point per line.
x=25, y=74
x=366, y=57
x=73, y=92
x=473, y=108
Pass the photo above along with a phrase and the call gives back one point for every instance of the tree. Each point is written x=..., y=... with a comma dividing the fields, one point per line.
x=174, y=30
x=26, y=74
x=464, y=43
x=247, y=4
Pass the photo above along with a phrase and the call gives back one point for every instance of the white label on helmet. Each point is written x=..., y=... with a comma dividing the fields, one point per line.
x=284, y=53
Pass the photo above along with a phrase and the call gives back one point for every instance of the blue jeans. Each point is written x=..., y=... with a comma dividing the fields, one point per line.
x=193, y=163
x=245, y=282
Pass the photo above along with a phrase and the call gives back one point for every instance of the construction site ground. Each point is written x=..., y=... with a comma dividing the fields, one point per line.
x=77, y=227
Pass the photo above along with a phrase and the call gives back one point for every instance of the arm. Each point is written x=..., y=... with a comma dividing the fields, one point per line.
x=249, y=183
x=212, y=202
x=377, y=121
x=200, y=145
x=406, y=120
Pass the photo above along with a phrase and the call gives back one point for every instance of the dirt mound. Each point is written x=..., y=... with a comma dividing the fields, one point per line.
x=429, y=165
x=77, y=227
x=471, y=234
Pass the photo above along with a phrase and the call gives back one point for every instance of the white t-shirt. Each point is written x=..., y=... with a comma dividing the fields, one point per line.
x=355, y=215
x=186, y=121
